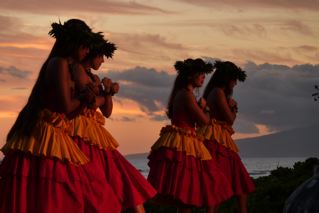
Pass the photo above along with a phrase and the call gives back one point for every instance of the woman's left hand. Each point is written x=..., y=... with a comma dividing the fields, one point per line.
x=202, y=103
x=233, y=105
x=115, y=88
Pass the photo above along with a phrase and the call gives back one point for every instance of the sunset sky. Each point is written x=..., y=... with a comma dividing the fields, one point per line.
x=276, y=42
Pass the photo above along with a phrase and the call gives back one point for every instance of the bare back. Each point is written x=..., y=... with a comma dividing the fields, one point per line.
x=58, y=94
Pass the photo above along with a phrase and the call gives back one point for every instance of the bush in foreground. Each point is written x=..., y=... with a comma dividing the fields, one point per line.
x=271, y=191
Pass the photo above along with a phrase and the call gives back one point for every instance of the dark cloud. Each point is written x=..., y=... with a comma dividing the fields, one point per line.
x=159, y=117
x=278, y=96
x=61, y=7
x=148, y=87
x=15, y=72
x=144, y=76
x=274, y=95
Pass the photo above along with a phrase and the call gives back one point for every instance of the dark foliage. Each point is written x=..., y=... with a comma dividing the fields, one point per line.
x=270, y=195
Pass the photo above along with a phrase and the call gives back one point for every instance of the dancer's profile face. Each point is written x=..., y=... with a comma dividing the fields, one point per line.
x=198, y=79
x=97, y=62
x=82, y=52
x=232, y=83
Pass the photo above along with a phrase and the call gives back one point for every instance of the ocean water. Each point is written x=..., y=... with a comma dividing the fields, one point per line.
x=257, y=167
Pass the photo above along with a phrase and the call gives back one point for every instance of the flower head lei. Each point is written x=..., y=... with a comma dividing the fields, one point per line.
x=193, y=66
x=231, y=70
x=71, y=31
x=101, y=46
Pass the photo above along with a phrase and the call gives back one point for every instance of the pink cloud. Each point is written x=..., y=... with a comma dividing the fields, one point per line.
x=12, y=103
x=262, y=56
x=244, y=29
x=284, y=4
x=307, y=48
x=60, y=7
x=144, y=41
x=296, y=26
x=145, y=49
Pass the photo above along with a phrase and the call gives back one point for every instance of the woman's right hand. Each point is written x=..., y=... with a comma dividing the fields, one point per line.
x=233, y=105
x=115, y=88
x=202, y=103
x=107, y=83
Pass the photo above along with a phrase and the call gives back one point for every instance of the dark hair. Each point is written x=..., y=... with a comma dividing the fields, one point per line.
x=192, y=66
x=186, y=69
x=224, y=72
x=69, y=37
x=100, y=46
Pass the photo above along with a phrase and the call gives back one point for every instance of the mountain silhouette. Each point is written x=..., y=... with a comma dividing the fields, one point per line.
x=301, y=142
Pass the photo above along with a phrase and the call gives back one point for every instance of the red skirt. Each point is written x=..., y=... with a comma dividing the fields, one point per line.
x=128, y=184
x=184, y=178
x=31, y=184
x=231, y=165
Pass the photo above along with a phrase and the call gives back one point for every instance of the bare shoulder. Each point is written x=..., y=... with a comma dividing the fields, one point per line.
x=184, y=94
x=215, y=96
x=78, y=66
x=57, y=66
x=216, y=93
x=185, y=97
x=78, y=71
x=57, y=62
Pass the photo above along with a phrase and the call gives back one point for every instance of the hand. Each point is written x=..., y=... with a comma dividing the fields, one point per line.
x=233, y=105
x=107, y=83
x=115, y=88
x=202, y=103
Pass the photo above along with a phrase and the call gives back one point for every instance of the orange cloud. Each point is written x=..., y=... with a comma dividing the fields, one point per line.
x=145, y=49
x=11, y=104
x=262, y=130
x=126, y=107
x=8, y=114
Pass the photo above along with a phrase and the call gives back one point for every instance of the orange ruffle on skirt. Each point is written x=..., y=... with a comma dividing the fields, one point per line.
x=130, y=187
x=178, y=170
x=50, y=138
x=220, y=132
x=89, y=127
x=182, y=140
